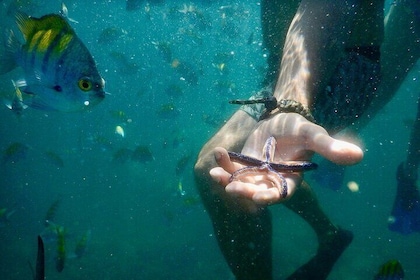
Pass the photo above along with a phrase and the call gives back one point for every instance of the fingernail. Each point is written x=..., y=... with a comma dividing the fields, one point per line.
x=213, y=174
x=217, y=155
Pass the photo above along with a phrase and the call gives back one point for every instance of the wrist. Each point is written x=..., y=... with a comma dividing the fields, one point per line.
x=289, y=106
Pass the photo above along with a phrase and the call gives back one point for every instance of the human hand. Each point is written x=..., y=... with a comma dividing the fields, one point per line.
x=297, y=139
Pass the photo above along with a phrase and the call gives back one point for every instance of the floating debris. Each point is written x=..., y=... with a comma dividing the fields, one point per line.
x=120, y=131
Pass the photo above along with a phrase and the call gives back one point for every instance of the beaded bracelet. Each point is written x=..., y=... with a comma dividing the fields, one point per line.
x=272, y=107
x=289, y=106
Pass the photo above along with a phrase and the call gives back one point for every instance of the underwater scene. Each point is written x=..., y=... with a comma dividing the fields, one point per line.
x=104, y=172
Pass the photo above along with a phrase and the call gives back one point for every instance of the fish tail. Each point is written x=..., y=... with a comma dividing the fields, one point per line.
x=8, y=55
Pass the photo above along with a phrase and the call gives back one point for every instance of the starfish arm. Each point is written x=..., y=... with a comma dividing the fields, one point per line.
x=279, y=181
x=245, y=160
x=269, y=149
x=293, y=166
x=246, y=171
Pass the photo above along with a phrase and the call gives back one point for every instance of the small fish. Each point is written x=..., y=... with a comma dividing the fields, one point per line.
x=125, y=65
x=120, y=116
x=120, y=131
x=213, y=120
x=223, y=57
x=181, y=164
x=168, y=111
x=181, y=189
x=5, y=215
x=132, y=5
x=61, y=249
x=187, y=9
x=187, y=71
x=142, y=154
x=15, y=152
x=111, y=34
x=122, y=155
x=174, y=91
x=54, y=159
x=82, y=244
x=99, y=142
x=222, y=68
x=225, y=87
x=51, y=212
x=391, y=270
x=165, y=49
x=59, y=72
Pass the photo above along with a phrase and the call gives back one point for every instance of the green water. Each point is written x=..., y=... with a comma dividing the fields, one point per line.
x=142, y=226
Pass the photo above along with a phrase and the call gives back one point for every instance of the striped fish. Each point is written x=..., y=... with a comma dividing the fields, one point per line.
x=391, y=270
x=59, y=72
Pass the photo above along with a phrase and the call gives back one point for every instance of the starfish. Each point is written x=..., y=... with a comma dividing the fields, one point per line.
x=272, y=170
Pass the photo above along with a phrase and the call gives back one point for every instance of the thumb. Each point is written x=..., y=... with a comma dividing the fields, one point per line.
x=337, y=151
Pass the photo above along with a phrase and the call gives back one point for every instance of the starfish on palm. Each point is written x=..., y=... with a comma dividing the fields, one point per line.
x=267, y=167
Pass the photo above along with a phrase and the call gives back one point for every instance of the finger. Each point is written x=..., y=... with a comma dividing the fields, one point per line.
x=243, y=189
x=267, y=197
x=223, y=160
x=337, y=151
x=220, y=176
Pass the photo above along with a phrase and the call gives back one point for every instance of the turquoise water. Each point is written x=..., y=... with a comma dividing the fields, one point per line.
x=142, y=224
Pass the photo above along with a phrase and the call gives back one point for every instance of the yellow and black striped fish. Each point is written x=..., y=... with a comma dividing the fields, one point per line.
x=59, y=72
x=391, y=270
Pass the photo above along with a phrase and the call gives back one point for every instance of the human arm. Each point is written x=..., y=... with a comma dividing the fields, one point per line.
x=312, y=49
x=297, y=139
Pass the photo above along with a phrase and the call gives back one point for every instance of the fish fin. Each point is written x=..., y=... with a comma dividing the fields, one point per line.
x=405, y=214
x=29, y=25
x=25, y=23
x=16, y=104
x=8, y=103
x=8, y=55
x=37, y=102
x=20, y=83
x=65, y=13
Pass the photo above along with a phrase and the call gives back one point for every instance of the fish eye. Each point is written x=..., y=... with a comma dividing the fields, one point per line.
x=85, y=84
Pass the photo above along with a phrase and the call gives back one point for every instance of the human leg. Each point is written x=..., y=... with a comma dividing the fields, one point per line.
x=332, y=240
x=244, y=238
x=400, y=50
